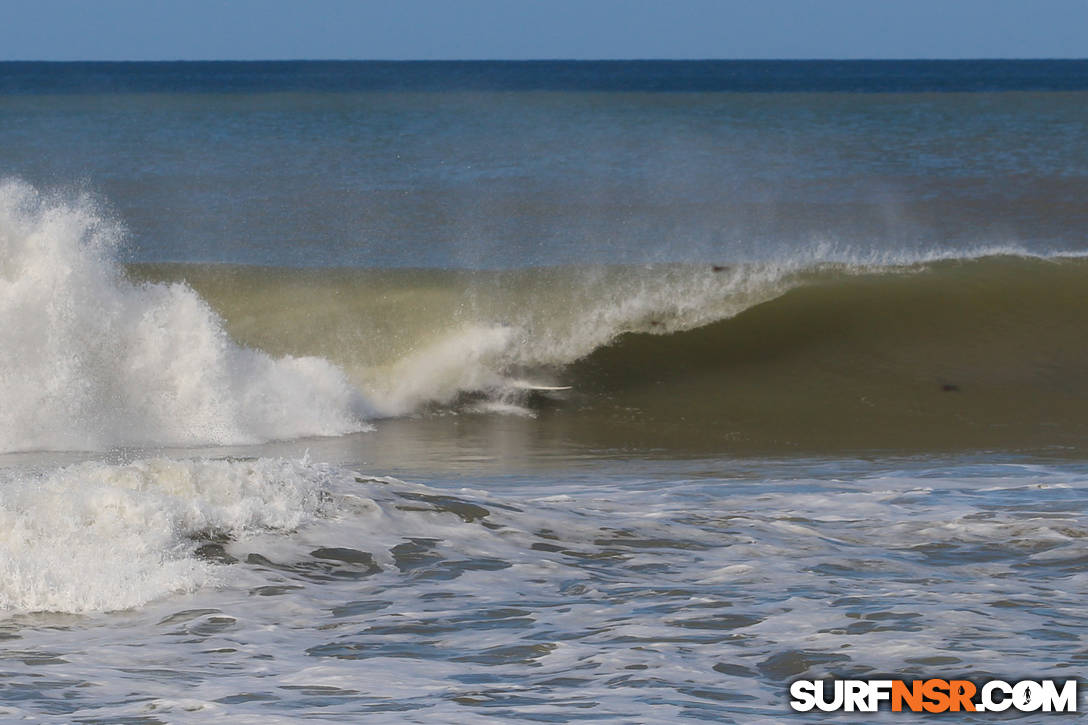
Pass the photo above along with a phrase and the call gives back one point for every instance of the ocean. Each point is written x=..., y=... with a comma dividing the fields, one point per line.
x=537, y=391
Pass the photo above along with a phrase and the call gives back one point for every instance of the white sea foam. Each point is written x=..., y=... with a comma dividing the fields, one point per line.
x=89, y=359
x=96, y=536
x=544, y=595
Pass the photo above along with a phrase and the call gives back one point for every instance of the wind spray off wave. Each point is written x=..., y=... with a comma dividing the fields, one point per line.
x=90, y=360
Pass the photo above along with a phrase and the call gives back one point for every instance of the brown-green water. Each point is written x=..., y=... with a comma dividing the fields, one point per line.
x=942, y=355
x=273, y=440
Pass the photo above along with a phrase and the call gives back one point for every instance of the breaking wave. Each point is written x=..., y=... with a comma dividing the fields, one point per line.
x=89, y=359
x=977, y=348
x=824, y=346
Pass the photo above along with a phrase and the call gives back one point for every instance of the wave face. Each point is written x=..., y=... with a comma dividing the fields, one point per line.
x=963, y=353
x=824, y=350
x=416, y=338
x=89, y=359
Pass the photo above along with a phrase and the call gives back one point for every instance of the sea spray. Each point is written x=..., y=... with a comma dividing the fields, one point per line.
x=89, y=359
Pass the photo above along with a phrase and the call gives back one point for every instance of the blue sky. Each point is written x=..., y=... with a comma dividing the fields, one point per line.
x=520, y=29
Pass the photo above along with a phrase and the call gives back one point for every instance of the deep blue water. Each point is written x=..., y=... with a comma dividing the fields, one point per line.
x=851, y=76
x=517, y=164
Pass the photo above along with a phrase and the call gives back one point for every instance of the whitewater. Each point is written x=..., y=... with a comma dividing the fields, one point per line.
x=535, y=392
x=91, y=360
x=273, y=590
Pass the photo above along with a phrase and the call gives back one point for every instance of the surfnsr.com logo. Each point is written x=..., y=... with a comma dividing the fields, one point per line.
x=933, y=695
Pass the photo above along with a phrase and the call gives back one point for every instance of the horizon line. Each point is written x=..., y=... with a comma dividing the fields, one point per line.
x=546, y=60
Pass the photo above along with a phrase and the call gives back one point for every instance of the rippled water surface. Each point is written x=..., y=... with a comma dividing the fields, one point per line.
x=596, y=595
x=545, y=392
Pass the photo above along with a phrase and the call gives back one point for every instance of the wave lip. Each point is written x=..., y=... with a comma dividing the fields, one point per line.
x=90, y=360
